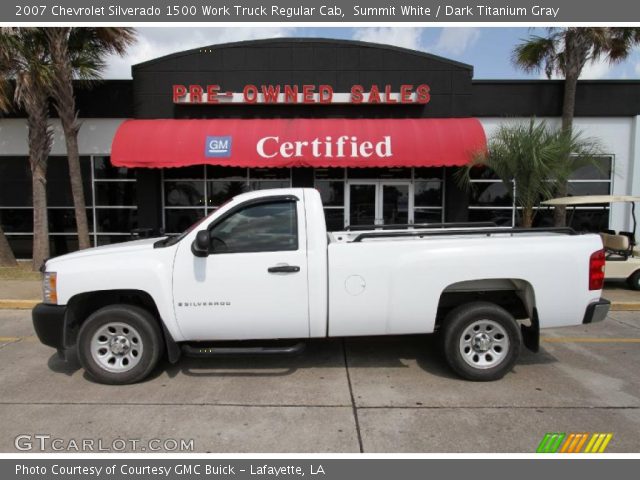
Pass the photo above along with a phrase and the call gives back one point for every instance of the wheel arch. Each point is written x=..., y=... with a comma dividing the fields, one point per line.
x=82, y=305
x=515, y=295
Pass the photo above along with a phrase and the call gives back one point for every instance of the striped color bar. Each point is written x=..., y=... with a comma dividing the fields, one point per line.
x=560, y=442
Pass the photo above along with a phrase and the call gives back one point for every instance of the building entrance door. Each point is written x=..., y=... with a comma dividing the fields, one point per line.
x=379, y=202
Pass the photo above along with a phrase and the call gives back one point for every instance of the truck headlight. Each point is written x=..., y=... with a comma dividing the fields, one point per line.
x=49, y=288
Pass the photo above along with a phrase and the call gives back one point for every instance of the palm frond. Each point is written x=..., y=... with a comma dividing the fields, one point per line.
x=536, y=53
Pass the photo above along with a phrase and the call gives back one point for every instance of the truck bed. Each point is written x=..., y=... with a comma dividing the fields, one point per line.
x=390, y=282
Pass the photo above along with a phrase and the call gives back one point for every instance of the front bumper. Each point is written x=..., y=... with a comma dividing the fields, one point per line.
x=48, y=322
x=597, y=311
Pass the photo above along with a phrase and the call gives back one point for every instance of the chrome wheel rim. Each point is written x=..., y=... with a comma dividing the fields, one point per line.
x=116, y=347
x=484, y=344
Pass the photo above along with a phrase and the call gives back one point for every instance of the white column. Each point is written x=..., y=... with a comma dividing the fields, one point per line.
x=634, y=167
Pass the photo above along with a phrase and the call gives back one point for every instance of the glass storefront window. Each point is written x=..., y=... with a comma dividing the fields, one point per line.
x=116, y=220
x=58, y=186
x=378, y=173
x=178, y=220
x=219, y=192
x=16, y=220
x=226, y=173
x=331, y=192
x=482, y=173
x=16, y=182
x=588, y=188
x=184, y=193
x=427, y=194
x=427, y=215
x=330, y=183
x=601, y=171
x=116, y=193
x=195, y=172
x=329, y=173
x=205, y=188
x=270, y=173
x=488, y=194
x=334, y=218
x=584, y=219
x=267, y=184
x=63, y=220
x=501, y=217
x=104, y=170
x=110, y=195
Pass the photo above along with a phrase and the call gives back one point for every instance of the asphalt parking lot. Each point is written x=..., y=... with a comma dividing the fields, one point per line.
x=358, y=395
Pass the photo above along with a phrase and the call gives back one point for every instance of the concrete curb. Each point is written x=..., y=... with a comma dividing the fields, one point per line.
x=29, y=304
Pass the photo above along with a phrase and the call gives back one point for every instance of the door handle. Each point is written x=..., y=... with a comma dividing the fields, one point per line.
x=284, y=269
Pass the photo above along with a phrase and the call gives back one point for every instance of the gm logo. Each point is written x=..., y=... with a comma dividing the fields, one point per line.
x=218, y=147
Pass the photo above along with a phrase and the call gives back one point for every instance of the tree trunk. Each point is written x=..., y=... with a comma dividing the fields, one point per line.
x=65, y=103
x=577, y=49
x=7, y=259
x=40, y=217
x=40, y=137
x=527, y=217
x=71, y=128
x=568, y=109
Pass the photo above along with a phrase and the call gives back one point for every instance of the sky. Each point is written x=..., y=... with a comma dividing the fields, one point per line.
x=487, y=49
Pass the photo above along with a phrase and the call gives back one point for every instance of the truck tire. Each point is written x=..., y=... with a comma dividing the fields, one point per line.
x=634, y=280
x=119, y=344
x=481, y=341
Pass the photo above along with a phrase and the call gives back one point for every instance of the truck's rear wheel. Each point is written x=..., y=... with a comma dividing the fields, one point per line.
x=481, y=341
x=119, y=344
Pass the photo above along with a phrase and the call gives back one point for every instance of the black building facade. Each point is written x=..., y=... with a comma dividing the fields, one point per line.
x=121, y=200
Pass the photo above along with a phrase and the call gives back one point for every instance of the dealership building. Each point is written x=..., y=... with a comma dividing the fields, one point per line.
x=380, y=131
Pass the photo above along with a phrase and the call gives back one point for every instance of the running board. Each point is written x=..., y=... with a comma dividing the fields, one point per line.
x=194, y=351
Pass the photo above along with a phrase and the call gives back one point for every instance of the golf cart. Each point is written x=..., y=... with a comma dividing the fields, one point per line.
x=622, y=256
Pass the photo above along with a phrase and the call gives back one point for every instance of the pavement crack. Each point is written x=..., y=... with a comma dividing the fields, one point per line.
x=9, y=343
x=353, y=399
x=623, y=323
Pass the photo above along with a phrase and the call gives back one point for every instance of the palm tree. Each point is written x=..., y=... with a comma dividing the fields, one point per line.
x=79, y=53
x=532, y=157
x=565, y=52
x=24, y=62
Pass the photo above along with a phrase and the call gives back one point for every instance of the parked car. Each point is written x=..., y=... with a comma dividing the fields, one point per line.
x=263, y=266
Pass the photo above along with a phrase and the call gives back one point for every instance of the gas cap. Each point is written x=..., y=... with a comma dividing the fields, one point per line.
x=355, y=285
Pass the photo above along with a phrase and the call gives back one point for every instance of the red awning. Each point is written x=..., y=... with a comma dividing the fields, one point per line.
x=298, y=142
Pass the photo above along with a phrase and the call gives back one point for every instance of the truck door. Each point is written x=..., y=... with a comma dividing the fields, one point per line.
x=253, y=283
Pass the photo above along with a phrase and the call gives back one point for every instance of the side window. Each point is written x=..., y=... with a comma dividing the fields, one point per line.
x=266, y=227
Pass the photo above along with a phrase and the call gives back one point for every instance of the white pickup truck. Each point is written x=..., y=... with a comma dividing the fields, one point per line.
x=263, y=267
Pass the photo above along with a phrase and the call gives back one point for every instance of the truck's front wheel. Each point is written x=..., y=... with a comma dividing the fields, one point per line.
x=481, y=341
x=119, y=344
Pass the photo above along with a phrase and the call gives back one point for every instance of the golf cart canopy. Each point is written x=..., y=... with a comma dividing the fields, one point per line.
x=620, y=244
x=591, y=199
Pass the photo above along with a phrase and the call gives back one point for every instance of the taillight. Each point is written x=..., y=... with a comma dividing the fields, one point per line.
x=596, y=270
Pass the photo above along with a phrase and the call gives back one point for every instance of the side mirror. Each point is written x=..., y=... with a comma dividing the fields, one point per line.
x=200, y=246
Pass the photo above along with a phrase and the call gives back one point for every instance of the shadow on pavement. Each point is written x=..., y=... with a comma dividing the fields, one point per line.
x=364, y=352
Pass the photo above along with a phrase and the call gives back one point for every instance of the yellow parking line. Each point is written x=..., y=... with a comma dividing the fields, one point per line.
x=589, y=340
x=17, y=339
